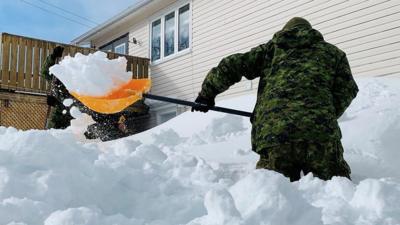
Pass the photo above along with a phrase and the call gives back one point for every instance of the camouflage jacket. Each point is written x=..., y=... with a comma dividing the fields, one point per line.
x=57, y=89
x=305, y=86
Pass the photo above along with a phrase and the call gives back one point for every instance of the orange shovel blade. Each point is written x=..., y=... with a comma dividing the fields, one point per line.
x=118, y=99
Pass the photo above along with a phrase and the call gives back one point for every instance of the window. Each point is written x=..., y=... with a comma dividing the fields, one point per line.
x=169, y=37
x=183, y=28
x=120, y=49
x=170, y=34
x=156, y=40
x=118, y=45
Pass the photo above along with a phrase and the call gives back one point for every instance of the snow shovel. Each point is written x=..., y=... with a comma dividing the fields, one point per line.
x=118, y=99
x=127, y=94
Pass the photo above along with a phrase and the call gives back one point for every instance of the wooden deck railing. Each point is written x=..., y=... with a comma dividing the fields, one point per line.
x=21, y=59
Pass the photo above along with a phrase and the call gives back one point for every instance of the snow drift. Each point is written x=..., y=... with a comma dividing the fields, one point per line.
x=198, y=169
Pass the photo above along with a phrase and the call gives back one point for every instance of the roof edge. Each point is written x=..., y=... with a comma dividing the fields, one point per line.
x=82, y=38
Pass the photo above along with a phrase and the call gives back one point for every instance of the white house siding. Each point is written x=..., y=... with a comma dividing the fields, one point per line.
x=367, y=30
x=141, y=32
x=172, y=78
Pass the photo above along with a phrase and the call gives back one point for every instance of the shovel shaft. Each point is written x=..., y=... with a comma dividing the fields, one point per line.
x=188, y=103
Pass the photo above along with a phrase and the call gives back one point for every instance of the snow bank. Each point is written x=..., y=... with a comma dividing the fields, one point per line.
x=198, y=169
x=93, y=74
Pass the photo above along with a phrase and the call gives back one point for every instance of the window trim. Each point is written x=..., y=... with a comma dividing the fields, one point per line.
x=126, y=35
x=161, y=16
x=122, y=44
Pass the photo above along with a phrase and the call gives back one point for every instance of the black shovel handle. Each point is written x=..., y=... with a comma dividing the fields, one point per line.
x=188, y=103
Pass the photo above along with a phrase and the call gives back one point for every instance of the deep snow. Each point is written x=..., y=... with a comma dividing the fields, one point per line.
x=198, y=169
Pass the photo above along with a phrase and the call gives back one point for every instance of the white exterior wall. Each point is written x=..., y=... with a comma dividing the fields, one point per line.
x=367, y=30
x=141, y=32
x=171, y=76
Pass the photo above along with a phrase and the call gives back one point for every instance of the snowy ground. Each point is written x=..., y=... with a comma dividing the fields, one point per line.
x=198, y=169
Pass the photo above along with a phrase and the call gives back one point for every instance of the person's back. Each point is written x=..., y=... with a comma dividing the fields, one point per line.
x=305, y=86
x=297, y=98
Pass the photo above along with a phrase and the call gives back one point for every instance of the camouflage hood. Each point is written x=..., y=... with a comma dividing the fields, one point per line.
x=297, y=33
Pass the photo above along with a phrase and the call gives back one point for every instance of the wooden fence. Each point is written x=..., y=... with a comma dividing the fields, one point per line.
x=21, y=59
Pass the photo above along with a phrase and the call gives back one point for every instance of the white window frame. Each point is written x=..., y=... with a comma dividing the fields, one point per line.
x=161, y=16
x=118, y=46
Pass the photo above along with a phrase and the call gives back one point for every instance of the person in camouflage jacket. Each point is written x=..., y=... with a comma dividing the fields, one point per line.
x=305, y=85
x=59, y=117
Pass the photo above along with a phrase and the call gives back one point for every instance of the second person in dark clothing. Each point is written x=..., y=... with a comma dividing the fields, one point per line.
x=59, y=117
x=107, y=127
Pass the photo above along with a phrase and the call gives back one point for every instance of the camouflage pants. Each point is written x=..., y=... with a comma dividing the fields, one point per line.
x=324, y=160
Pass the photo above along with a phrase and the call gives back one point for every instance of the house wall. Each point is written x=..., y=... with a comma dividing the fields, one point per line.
x=368, y=31
x=110, y=46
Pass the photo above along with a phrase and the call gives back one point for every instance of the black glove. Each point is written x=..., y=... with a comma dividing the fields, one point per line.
x=203, y=104
x=51, y=100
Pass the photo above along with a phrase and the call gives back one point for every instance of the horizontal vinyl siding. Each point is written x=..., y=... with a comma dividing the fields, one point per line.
x=367, y=30
x=167, y=77
x=141, y=33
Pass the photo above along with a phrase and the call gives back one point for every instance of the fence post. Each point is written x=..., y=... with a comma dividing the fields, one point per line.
x=14, y=59
x=43, y=60
x=21, y=63
x=5, y=72
x=146, y=68
x=36, y=64
x=135, y=68
x=28, y=71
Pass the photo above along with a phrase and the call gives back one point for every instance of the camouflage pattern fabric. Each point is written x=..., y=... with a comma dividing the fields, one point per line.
x=58, y=89
x=44, y=72
x=324, y=160
x=58, y=119
x=305, y=86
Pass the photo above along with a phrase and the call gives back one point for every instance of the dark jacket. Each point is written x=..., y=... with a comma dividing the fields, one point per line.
x=305, y=86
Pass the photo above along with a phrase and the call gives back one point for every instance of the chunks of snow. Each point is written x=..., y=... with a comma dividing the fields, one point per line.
x=68, y=102
x=198, y=169
x=74, y=111
x=93, y=75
